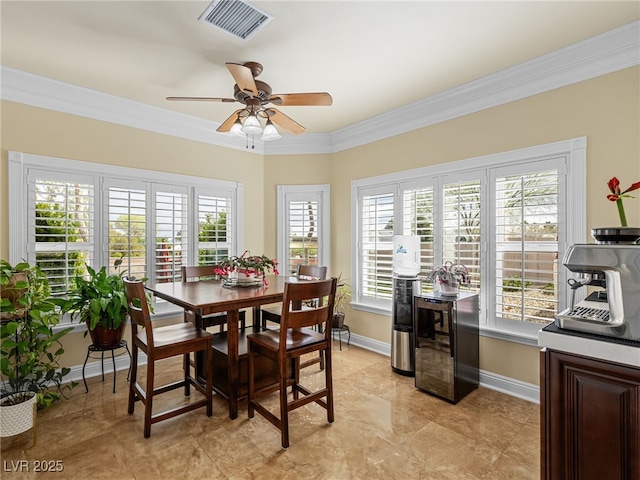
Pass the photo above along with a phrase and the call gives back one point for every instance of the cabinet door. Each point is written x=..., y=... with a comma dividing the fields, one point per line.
x=591, y=419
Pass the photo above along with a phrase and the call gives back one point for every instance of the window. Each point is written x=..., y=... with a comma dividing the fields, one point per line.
x=147, y=224
x=62, y=215
x=504, y=216
x=215, y=216
x=527, y=230
x=303, y=226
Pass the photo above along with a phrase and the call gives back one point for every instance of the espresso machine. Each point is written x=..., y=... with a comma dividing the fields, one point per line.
x=612, y=275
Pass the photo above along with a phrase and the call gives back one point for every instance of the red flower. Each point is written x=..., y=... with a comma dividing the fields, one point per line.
x=616, y=196
x=614, y=187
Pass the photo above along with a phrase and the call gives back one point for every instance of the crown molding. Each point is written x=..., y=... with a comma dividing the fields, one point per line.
x=605, y=53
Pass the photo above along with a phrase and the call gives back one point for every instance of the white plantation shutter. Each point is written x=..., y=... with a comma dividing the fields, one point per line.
x=302, y=226
x=418, y=219
x=377, y=224
x=171, y=232
x=61, y=227
x=302, y=232
x=527, y=227
x=127, y=229
x=461, y=227
x=66, y=214
x=215, y=228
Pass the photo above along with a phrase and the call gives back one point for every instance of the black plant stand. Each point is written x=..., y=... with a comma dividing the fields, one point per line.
x=94, y=348
x=340, y=330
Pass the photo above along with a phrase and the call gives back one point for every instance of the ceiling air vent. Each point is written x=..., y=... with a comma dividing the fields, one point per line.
x=236, y=17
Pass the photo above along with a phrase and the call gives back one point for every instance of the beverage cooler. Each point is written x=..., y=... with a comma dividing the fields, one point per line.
x=446, y=344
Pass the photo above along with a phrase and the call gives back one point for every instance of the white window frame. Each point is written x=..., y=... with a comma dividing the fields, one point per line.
x=288, y=193
x=21, y=164
x=572, y=152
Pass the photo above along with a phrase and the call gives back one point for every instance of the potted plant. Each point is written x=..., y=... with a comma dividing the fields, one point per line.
x=340, y=304
x=247, y=268
x=449, y=277
x=30, y=348
x=99, y=300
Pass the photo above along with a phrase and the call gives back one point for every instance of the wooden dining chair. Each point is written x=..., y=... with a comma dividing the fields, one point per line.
x=206, y=272
x=290, y=342
x=160, y=343
x=273, y=313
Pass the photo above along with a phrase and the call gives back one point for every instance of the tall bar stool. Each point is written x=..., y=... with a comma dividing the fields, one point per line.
x=288, y=344
x=159, y=343
x=273, y=313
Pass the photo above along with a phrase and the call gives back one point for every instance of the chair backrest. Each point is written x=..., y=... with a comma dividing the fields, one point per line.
x=320, y=313
x=138, y=308
x=196, y=273
x=311, y=272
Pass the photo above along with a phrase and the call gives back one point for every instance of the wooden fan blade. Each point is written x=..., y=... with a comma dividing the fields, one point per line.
x=243, y=77
x=301, y=99
x=228, y=123
x=280, y=119
x=202, y=99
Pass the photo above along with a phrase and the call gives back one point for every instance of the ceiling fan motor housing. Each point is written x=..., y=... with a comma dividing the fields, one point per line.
x=264, y=93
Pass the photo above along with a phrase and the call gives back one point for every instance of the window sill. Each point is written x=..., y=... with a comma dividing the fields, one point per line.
x=82, y=327
x=530, y=339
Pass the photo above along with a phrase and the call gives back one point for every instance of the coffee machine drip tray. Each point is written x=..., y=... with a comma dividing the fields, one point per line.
x=585, y=313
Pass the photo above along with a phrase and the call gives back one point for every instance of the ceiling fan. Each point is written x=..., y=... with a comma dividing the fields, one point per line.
x=256, y=95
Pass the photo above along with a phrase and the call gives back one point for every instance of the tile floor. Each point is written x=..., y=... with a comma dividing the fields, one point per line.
x=384, y=429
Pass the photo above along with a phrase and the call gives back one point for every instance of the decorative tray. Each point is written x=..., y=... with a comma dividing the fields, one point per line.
x=234, y=283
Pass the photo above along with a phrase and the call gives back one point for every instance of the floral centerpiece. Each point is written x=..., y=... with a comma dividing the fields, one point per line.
x=247, y=268
x=449, y=277
x=616, y=196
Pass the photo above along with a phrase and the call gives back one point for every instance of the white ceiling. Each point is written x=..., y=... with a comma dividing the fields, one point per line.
x=371, y=56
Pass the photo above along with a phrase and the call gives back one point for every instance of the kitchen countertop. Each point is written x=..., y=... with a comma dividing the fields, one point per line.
x=626, y=352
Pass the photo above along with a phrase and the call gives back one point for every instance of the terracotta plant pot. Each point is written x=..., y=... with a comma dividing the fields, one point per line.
x=106, y=337
x=12, y=294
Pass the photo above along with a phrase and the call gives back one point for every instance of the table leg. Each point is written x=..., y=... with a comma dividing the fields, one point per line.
x=233, y=360
x=200, y=357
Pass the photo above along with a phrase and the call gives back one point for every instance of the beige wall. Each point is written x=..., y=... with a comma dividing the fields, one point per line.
x=605, y=110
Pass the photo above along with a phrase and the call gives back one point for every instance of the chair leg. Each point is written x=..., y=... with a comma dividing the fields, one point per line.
x=133, y=378
x=148, y=407
x=251, y=393
x=329, y=384
x=209, y=384
x=284, y=407
x=187, y=371
x=296, y=377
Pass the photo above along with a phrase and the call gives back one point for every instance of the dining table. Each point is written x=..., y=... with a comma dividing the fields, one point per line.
x=213, y=296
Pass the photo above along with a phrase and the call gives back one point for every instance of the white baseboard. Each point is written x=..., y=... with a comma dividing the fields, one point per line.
x=494, y=381
x=510, y=386
x=94, y=369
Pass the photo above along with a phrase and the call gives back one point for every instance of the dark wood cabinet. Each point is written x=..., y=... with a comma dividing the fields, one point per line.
x=590, y=418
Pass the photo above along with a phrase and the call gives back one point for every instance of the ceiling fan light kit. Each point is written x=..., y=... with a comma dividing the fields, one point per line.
x=255, y=95
x=270, y=132
x=252, y=125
